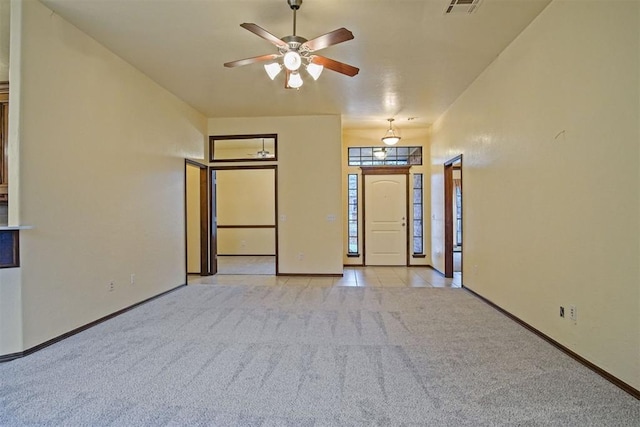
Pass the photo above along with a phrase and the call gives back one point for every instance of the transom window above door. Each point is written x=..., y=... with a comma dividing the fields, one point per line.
x=238, y=148
x=385, y=156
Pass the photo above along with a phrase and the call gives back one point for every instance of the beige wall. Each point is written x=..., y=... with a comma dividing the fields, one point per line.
x=550, y=137
x=193, y=218
x=99, y=151
x=11, y=322
x=245, y=197
x=246, y=241
x=309, y=188
x=371, y=138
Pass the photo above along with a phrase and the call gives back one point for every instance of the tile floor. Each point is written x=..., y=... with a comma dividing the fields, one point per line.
x=252, y=264
x=385, y=277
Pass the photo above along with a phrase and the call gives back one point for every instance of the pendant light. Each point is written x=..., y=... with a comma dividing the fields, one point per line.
x=390, y=138
x=380, y=154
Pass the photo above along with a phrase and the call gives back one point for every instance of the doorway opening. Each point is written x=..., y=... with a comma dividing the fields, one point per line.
x=453, y=230
x=197, y=257
x=244, y=234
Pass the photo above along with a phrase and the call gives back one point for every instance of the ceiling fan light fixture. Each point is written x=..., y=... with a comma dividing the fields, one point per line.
x=295, y=81
x=295, y=52
x=292, y=60
x=273, y=69
x=390, y=137
x=314, y=70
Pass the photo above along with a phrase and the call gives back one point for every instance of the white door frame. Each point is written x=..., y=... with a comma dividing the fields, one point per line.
x=385, y=170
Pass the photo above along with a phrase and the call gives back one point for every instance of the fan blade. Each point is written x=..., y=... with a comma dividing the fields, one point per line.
x=334, y=37
x=340, y=67
x=253, y=60
x=261, y=32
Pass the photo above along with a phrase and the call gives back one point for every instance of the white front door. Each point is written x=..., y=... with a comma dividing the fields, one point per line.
x=385, y=213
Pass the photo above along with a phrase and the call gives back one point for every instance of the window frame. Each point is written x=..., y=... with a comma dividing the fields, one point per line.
x=350, y=221
x=414, y=236
x=363, y=156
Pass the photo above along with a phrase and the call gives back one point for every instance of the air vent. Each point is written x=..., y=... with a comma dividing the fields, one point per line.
x=463, y=6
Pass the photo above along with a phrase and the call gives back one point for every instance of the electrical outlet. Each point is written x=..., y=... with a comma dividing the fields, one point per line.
x=300, y=256
x=573, y=313
x=133, y=279
x=111, y=287
x=561, y=311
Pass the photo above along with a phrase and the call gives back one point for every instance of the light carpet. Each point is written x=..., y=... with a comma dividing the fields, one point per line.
x=308, y=356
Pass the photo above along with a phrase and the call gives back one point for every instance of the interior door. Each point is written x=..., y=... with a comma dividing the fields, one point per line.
x=385, y=219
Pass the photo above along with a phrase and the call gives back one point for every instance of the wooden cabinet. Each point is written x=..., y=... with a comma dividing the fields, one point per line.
x=4, y=135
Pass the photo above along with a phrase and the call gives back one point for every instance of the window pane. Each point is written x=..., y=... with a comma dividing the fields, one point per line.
x=353, y=245
x=417, y=228
x=417, y=246
x=353, y=213
x=417, y=180
x=417, y=196
x=416, y=155
x=353, y=228
x=353, y=181
x=417, y=212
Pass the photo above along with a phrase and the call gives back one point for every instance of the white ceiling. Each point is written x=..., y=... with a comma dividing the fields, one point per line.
x=414, y=60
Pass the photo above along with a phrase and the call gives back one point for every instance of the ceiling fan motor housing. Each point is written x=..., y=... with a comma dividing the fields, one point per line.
x=294, y=4
x=294, y=42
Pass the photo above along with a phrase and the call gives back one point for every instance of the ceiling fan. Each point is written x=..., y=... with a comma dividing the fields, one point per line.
x=296, y=51
x=263, y=153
